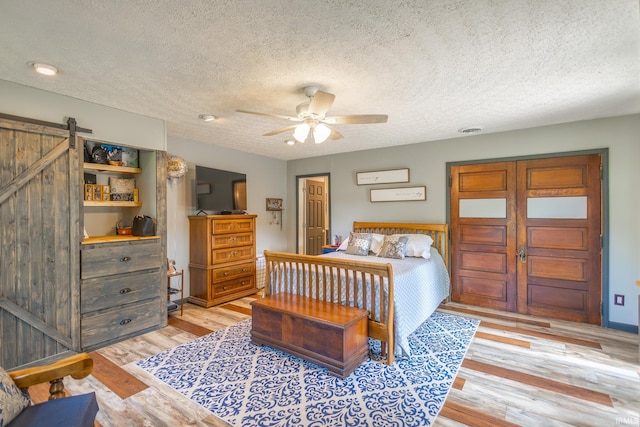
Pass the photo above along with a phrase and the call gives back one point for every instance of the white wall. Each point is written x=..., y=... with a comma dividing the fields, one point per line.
x=427, y=163
x=266, y=177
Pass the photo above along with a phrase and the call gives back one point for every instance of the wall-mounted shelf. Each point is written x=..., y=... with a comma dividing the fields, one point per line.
x=113, y=203
x=98, y=167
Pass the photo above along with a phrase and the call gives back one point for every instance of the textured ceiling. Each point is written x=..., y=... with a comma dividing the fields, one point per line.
x=434, y=66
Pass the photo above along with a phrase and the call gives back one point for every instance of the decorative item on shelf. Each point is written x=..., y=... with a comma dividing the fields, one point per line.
x=176, y=168
x=122, y=189
x=144, y=225
x=124, y=228
x=97, y=192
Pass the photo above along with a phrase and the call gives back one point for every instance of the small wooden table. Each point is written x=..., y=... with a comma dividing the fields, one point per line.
x=330, y=335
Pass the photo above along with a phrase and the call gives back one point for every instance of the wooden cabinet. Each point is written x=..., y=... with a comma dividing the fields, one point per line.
x=222, y=258
x=123, y=277
x=120, y=294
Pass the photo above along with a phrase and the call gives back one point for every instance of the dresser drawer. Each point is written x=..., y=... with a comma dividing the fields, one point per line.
x=220, y=226
x=231, y=240
x=233, y=254
x=106, y=325
x=122, y=257
x=226, y=273
x=232, y=286
x=114, y=291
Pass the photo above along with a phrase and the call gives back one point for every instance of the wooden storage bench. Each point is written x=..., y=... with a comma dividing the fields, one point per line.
x=330, y=335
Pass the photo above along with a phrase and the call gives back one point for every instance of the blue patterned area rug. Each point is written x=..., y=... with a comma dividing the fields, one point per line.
x=248, y=385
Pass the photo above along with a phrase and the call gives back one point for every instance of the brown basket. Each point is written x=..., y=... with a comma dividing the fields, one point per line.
x=124, y=228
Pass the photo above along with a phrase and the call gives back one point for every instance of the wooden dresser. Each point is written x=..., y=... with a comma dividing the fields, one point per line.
x=222, y=258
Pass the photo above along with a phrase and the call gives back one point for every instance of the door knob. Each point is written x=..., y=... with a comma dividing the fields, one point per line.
x=523, y=253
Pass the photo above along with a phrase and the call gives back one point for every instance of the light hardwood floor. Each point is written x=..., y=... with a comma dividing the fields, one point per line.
x=519, y=370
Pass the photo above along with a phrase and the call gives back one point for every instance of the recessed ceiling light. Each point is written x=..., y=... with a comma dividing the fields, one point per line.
x=207, y=117
x=471, y=129
x=289, y=142
x=44, y=69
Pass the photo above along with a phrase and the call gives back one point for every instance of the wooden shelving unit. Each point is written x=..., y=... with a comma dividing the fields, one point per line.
x=97, y=167
x=113, y=203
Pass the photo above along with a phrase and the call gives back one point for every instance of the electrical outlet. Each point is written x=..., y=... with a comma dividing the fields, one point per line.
x=618, y=299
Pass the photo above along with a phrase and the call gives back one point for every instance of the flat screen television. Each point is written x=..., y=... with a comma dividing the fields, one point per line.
x=219, y=192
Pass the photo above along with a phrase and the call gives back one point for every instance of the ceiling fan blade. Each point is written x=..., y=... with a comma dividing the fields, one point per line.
x=276, y=116
x=321, y=102
x=277, y=131
x=335, y=134
x=356, y=120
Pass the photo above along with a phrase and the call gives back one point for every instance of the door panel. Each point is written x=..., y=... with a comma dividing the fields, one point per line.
x=561, y=274
x=544, y=256
x=483, y=272
x=315, y=220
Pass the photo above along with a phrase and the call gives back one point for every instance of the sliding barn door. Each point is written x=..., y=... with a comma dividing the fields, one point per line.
x=526, y=236
x=39, y=243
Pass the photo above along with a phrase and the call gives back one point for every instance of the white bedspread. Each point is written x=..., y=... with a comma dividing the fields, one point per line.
x=420, y=285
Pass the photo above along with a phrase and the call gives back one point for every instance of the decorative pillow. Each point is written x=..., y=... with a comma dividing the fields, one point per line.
x=359, y=244
x=393, y=247
x=418, y=245
x=343, y=245
x=12, y=401
x=376, y=243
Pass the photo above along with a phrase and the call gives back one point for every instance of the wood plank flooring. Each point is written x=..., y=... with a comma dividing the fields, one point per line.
x=519, y=371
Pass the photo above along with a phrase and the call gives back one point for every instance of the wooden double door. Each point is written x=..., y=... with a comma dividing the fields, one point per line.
x=526, y=236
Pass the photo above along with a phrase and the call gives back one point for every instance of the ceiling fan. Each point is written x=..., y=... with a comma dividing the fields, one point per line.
x=313, y=119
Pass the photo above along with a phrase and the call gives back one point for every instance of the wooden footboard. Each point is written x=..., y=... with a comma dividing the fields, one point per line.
x=359, y=284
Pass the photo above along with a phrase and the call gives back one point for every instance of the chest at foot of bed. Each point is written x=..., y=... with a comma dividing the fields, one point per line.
x=331, y=335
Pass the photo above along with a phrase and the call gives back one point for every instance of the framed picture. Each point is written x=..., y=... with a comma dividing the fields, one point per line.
x=400, y=194
x=274, y=204
x=382, y=177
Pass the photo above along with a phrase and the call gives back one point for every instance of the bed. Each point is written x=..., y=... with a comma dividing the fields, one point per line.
x=400, y=294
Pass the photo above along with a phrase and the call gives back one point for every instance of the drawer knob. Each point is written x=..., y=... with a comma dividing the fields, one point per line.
x=226, y=273
x=125, y=259
x=125, y=321
x=234, y=253
x=224, y=288
x=125, y=290
x=245, y=269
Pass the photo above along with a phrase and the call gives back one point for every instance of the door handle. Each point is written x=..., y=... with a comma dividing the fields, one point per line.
x=523, y=253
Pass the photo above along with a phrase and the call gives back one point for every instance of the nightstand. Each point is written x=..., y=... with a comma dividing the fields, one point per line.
x=328, y=248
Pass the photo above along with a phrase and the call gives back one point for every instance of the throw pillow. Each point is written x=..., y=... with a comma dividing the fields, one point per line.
x=418, y=245
x=359, y=244
x=12, y=401
x=393, y=247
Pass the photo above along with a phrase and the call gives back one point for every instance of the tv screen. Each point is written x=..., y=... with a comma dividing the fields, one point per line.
x=219, y=191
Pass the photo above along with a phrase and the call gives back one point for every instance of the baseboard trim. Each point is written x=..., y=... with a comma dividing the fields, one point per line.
x=623, y=327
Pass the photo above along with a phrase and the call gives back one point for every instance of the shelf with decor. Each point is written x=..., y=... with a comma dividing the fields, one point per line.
x=96, y=167
x=113, y=203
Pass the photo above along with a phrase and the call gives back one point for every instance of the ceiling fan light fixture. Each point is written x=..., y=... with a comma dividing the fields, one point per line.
x=320, y=133
x=302, y=132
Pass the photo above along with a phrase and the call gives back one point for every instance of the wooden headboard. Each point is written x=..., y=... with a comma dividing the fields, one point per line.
x=438, y=232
